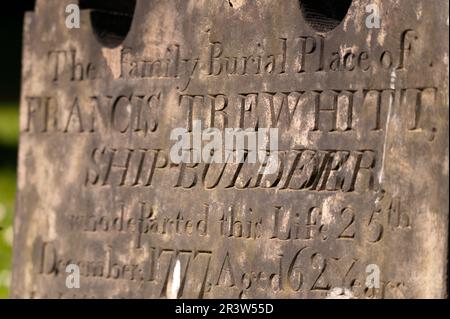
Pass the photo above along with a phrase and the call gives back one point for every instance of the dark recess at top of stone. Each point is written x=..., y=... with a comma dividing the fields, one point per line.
x=324, y=15
x=111, y=19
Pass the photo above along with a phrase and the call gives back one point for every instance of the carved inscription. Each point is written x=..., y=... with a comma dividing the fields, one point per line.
x=128, y=215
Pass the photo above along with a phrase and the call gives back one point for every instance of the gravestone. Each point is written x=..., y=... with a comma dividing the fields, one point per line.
x=356, y=208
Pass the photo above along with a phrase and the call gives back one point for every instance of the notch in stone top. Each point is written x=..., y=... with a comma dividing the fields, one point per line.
x=111, y=19
x=324, y=15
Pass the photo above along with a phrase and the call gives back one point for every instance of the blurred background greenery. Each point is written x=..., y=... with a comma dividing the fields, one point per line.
x=9, y=129
x=10, y=57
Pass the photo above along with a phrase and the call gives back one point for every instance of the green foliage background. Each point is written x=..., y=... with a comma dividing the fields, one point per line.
x=11, y=20
x=9, y=131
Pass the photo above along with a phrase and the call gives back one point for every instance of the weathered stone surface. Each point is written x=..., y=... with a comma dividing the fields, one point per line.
x=362, y=115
